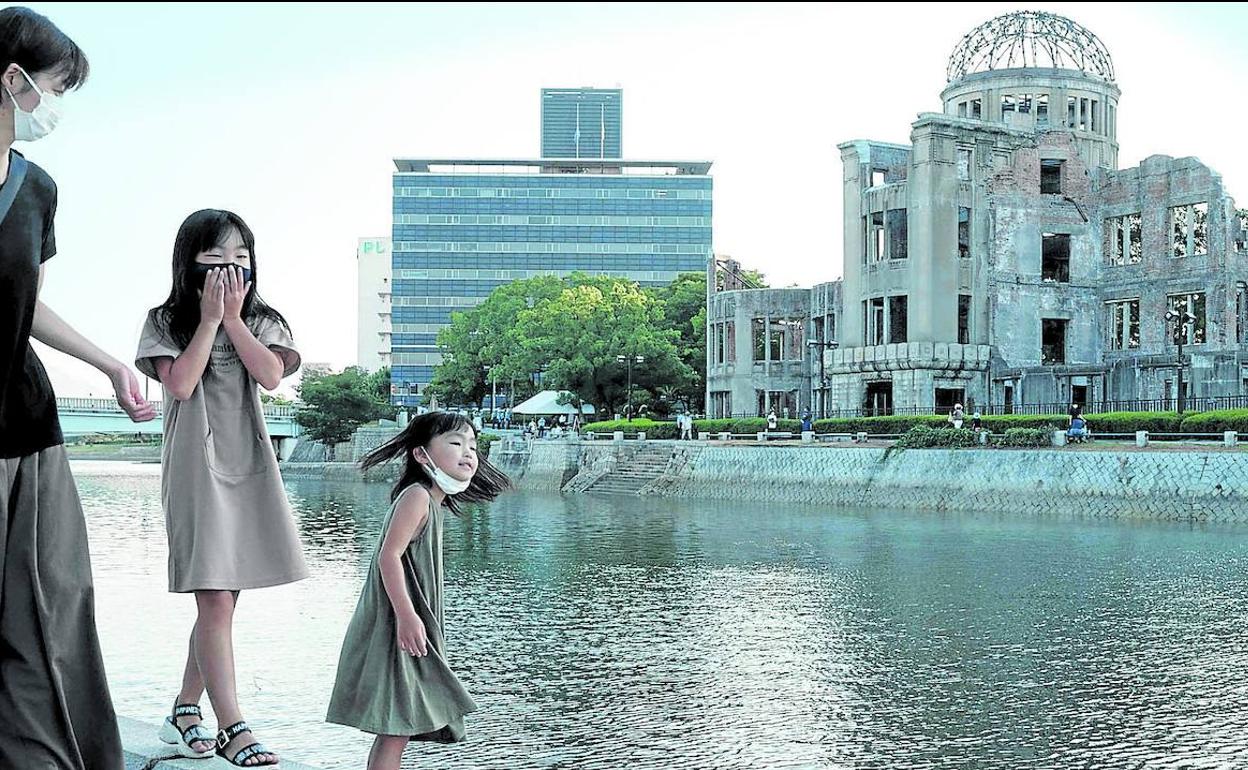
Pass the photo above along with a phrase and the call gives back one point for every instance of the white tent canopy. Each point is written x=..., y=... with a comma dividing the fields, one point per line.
x=547, y=402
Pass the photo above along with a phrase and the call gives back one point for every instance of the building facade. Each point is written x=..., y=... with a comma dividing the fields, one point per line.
x=1003, y=261
x=464, y=227
x=372, y=282
x=763, y=350
x=582, y=123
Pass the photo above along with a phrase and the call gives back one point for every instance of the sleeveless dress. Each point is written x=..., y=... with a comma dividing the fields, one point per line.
x=379, y=688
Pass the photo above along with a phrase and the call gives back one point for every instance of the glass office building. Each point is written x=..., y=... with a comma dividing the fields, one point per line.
x=582, y=122
x=463, y=227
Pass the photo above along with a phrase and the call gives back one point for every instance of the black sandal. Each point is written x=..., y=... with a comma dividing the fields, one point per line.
x=230, y=733
x=171, y=733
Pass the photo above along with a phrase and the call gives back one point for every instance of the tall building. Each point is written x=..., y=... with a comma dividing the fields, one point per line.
x=582, y=122
x=372, y=276
x=463, y=227
x=1002, y=259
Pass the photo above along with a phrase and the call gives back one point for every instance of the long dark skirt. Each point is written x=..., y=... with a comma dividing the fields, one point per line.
x=55, y=710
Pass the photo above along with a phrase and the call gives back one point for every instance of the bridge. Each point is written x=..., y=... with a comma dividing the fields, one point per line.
x=81, y=416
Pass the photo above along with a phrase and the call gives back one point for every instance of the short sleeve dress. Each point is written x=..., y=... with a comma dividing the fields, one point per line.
x=229, y=523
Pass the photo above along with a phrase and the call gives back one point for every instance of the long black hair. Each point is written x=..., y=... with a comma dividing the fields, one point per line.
x=35, y=44
x=487, y=483
x=178, y=317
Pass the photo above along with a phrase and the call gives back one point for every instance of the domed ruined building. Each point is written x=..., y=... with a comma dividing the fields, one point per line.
x=1003, y=261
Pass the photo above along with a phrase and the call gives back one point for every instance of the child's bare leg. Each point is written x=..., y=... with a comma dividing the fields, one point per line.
x=387, y=752
x=192, y=689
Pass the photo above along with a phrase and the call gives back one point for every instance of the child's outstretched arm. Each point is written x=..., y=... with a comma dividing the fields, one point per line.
x=264, y=366
x=180, y=376
x=409, y=516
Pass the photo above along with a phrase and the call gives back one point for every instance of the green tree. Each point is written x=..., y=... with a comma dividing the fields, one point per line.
x=335, y=405
x=483, y=337
x=580, y=334
x=684, y=311
x=379, y=386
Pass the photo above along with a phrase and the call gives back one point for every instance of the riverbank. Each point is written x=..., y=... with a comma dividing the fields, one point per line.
x=1190, y=481
x=1206, y=483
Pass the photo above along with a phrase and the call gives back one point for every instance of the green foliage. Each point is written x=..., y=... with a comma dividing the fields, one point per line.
x=1110, y=422
x=485, y=336
x=1026, y=437
x=927, y=437
x=652, y=428
x=1130, y=422
x=684, y=311
x=1004, y=422
x=484, y=442
x=745, y=425
x=572, y=330
x=1217, y=422
x=379, y=385
x=661, y=429
x=891, y=424
x=1011, y=430
x=334, y=405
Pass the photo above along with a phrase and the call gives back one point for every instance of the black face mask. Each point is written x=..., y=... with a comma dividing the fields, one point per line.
x=201, y=272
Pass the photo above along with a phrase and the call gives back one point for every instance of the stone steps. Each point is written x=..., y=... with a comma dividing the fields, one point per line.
x=634, y=472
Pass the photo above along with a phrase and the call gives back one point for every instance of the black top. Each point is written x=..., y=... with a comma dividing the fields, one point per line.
x=28, y=420
x=1075, y=411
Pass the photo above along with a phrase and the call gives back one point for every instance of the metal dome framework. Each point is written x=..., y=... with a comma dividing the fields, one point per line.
x=1031, y=39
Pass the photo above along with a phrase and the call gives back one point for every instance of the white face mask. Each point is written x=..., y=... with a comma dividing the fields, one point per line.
x=448, y=484
x=29, y=126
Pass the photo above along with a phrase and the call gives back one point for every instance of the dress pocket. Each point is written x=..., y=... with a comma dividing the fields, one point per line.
x=235, y=450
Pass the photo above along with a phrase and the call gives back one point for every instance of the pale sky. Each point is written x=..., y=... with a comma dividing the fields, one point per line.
x=290, y=116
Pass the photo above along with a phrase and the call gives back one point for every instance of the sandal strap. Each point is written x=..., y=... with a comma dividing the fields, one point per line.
x=196, y=733
x=187, y=710
x=227, y=734
x=247, y=753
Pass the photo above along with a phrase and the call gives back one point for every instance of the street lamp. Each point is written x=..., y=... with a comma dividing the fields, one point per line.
x=1181, y=320
x=629, y=361
x=823, y=384
x=492, y=373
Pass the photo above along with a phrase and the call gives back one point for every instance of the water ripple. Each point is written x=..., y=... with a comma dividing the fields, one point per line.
x=603, y=633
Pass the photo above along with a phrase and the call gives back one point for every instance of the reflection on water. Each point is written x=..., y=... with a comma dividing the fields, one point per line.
x=609, y=633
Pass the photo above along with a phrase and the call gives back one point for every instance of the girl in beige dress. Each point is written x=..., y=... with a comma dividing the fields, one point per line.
x=230, y=526
x=394, y=679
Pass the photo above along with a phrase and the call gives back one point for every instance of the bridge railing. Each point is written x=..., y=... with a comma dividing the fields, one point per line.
x=109, y=406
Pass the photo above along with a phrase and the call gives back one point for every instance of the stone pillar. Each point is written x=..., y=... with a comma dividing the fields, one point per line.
x=284, y=447
x=725, y=436
x=1059, y=438
x=1141, y=438
x=808, y=437
x=641, y=435
x=617, y=435
x=703, y=436
x=1230, y=438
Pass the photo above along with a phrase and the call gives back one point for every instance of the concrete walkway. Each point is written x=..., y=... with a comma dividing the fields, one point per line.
x=144, y=751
